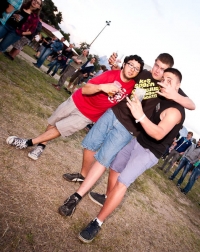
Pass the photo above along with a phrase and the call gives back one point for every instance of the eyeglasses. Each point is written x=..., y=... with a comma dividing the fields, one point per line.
x=37, y=2
x=132, y=67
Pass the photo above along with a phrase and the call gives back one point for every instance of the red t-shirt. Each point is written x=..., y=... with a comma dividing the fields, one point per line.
x=93, y=106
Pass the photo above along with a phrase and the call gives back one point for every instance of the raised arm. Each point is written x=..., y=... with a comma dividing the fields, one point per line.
x=169, y=118
x=169, y=93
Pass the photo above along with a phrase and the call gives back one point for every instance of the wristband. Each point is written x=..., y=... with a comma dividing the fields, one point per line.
x=141, y=118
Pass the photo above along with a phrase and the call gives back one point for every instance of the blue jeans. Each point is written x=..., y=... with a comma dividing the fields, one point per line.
x=193, y=177
x=8, y=36
x=107, y=137
x=187, y=166
x=54, y=64
x=44, y=54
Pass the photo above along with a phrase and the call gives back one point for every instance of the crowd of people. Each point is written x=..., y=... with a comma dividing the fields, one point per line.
x=128, y=136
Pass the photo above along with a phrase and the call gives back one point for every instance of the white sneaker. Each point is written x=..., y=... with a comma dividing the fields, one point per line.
x=36, y=153
x=19, y=143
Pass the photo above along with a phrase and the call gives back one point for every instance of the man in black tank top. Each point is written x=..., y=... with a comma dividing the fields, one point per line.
x=136, y=157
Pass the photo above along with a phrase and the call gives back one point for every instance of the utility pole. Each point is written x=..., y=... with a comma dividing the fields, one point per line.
x=107, y=23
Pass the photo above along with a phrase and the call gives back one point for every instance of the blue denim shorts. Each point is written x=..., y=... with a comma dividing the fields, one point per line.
x=107, y=137
x=132, y=161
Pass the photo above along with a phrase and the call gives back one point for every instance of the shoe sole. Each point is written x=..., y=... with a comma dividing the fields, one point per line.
x=84, y=240
x=9, y=138
x=95, y=201
x=73, y=180
x=29, y=155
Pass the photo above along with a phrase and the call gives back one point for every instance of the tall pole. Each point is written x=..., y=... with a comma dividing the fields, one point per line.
x=107, y=23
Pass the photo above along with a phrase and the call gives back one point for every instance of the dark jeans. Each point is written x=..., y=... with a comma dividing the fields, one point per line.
x=187, y=166
x=193, y=177
x=54, y=64
x=8, y=36
x=43, y=55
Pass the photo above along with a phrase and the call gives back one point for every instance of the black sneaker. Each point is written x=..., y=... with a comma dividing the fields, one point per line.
x=182, y=190
x=89, y=233
x=73, y=177
x=69, y=206
x=170, y=178
x=160, y=167
x=97, y=198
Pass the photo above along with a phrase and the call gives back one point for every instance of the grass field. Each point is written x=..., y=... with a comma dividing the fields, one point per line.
x=154, y=216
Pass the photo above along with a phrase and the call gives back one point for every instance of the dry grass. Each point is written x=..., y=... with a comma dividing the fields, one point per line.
x=154, y=216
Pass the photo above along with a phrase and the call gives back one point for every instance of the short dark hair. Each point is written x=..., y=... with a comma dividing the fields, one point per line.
x=166, y=58
x=136, y=58
x=175, y=72
x=103, y=67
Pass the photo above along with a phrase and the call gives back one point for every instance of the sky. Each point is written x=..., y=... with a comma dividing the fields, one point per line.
x=146, y=28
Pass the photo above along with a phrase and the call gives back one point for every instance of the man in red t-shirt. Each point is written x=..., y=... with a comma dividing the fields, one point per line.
x=86, y=105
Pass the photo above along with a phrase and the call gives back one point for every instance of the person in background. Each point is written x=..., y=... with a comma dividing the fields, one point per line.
x=193, y=178
x=68, y=52
x=178, y=151
x=171, y=147
x=55, y=46
x=21, y=23
x=190, y=156
x=56, y=63
x=101, y=70
x=77, y=62
x=45, y=43
x=84, y=71
x=7, y=7
x=18, y=46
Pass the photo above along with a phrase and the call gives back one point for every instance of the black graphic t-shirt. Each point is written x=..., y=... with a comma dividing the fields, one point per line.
x=151, y=99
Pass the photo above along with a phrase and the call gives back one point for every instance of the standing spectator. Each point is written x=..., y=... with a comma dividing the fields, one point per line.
x=85, y=71
x=177, y=152
x=77, y=62
x=35, y=43
x=7, y=7
x=193, y=177
x=101, y=70
x=18, y=46
x=68, y=52
x=58, y=62
x=171, y=147
x=21, y=23
x=191, y=156
x=46, y=41
x=55, y=46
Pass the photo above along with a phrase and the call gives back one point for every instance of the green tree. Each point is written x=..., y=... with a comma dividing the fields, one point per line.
x=51, y=14
x=53, y=17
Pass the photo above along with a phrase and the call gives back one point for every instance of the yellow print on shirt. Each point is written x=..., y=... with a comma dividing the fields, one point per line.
x=150, y=87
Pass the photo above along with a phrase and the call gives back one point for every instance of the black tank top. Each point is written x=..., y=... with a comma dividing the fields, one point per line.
x=159, y=147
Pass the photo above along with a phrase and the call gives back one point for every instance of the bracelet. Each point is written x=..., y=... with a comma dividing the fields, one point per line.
x=141, y=118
